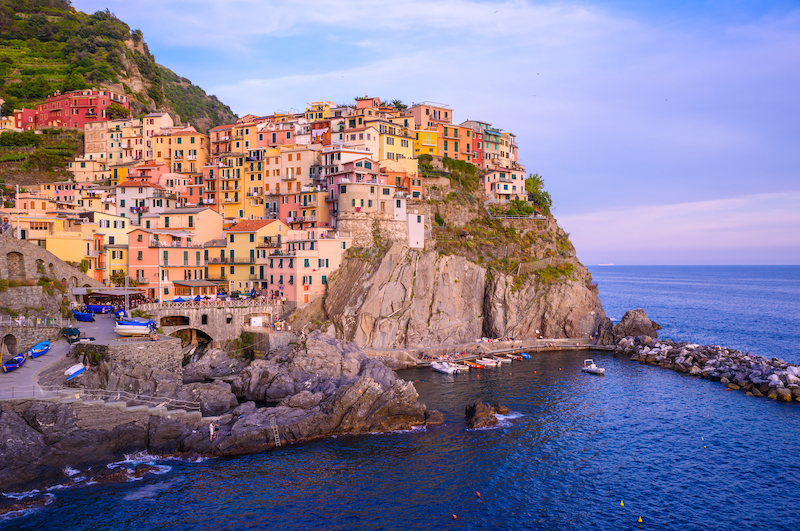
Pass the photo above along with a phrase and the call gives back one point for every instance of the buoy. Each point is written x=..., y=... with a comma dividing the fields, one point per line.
x=479, y=376
x=622, y=504
x=534, y=372
x=640, y=519
x=704, y=446
x=559, y=368
x=454, y=517
x=509, y=374
x=478, y=494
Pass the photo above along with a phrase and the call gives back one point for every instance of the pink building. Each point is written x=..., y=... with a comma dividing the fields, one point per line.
x=504, y=184
x=157, y=257
x=77, y=108
x=25, y=119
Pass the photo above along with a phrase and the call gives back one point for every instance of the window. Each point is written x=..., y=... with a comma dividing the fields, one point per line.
x=166, y=221
x=232, y=269
x=139, y=255
x=139, y=238
x=398, y=204
x=386, y=191
x=147, y=223
x=305, y=262
x=230, y=236
x=324, y=279
x=111, y=240
x=191, y=221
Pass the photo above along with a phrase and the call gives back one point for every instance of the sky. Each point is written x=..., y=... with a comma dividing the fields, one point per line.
x=667, y=132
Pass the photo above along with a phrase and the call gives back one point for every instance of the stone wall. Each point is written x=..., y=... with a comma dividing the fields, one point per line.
x=163, y=355
x=23, y=261
x=367, y=227
x=19, y=339
x=31, y=301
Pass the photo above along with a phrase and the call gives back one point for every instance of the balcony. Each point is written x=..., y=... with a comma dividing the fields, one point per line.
x=142, y=280
x=175, y=244
x=100, y=264
x=177, y=156
x=258, y=277
x=209, y=201
x=191, y=157
x=92, y=253
x=269, y=242
x=231, y=200
x=183, y=263
x=229, y=260
x=228, y=177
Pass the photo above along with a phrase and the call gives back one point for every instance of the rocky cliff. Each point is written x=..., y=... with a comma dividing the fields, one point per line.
x=408, y=298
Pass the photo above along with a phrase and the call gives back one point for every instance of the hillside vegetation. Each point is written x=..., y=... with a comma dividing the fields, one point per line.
x=46, y=45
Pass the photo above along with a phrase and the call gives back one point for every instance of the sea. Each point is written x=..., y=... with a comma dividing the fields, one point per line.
x=639, y=448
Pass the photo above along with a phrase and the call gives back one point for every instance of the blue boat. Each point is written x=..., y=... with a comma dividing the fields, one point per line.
x=15, y=362
x=83, y=316
x=525, y=355
x=99, y=308
x=39, y=349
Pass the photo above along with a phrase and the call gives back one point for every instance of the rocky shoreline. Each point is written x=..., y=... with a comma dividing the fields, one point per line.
x=319, y=388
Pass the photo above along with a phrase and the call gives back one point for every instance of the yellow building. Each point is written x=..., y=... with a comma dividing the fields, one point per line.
x=426, y=142
x=394, y=142
x=6, y=123
x=248, y=243
x=87, y=170
x=190, y=150
x=116, y=261
x=319, y=110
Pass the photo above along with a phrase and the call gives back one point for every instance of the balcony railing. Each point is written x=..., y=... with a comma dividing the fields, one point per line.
x=191, y=157
x=92, y=253
x=183, y=263
x=142, y=280
x=269, y=242
x=229, y=260
x=177, y=156
x=165, y=243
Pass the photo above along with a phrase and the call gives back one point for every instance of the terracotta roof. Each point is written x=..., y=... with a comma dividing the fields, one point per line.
x=220, y=127
x=251, y=225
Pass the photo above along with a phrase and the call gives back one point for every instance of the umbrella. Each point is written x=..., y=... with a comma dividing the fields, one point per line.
x=198, y=298
x=178, y=300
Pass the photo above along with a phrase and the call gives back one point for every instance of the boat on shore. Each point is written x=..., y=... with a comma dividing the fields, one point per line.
x=15, y=362
x=525, y=355
x=501, y=359
x=590, y=367
x=74, y=371
x=515, y=357
x=472, y=364
x=134, y=326
x=39, y=349
x=486, y=362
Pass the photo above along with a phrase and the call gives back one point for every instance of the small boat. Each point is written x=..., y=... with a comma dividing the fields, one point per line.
x=131, y=330
x=501, y=359
x=591, y=368
x=74, y=371
x=525, y=355
x=462, y=367
x=472, y=364
x=39, y=349
x=486, y=362
x=83, y=316
x=444, y=367
x=515, y=357
x=15, y=362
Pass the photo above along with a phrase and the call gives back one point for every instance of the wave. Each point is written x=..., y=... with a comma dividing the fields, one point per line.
x=149, y=492
x=503, y=421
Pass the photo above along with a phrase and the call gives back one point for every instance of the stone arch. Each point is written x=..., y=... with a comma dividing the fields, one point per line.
x=86, y=286
x=190, y=335
x=10, y=342
x=40, y=267
x=175, y=320
x=16, y=266
x=73, y=281
x=204, y=319
x=64, y=282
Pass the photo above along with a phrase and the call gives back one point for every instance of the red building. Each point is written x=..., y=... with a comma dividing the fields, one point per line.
x=24, y=119
x=76, y=108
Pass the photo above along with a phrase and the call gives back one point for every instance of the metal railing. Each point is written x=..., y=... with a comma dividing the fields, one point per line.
x=210, y=303
x=80, y=393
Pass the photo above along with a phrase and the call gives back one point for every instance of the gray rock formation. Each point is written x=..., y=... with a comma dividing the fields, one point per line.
x=408, y=298
x=482, y=415
x=635, y=323
x=215, y=363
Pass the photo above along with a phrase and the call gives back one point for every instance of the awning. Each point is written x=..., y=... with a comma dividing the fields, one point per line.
x=199, y=283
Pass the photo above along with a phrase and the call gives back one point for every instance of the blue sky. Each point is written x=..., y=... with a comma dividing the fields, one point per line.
x=667, y=132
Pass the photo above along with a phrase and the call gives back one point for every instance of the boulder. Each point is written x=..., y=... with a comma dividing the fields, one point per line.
x=784, y=395
x=605, y=332
x=479, y=415
x=635, y=323
x=215, y=363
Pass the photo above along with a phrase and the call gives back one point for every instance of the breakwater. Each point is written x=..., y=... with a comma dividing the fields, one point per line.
x=753, y=374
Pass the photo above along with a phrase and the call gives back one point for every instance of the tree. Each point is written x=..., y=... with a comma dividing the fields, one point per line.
x=533, y=183
x=398, y=104
x=74, y=81
x=115, y=111
x=118, y=278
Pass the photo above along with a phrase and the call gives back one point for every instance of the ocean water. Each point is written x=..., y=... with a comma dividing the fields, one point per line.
x=750, y=308
x=680, y=452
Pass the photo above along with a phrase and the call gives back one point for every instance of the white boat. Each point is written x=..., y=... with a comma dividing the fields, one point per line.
x=487, y=362
x=502, y=359
x=444, y=367
x=74, y=371
x=126, y=329
x=591, y=368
